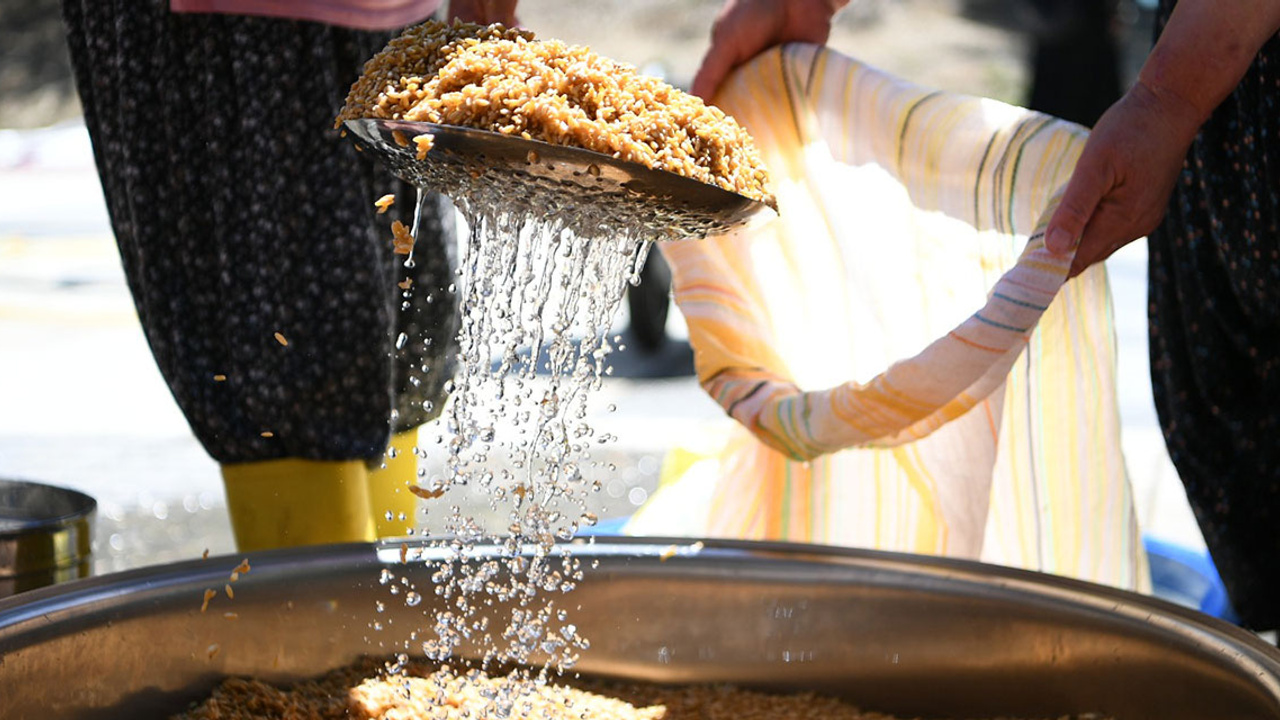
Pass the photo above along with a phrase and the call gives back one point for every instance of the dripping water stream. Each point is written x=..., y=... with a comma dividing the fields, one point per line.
x=537, y=296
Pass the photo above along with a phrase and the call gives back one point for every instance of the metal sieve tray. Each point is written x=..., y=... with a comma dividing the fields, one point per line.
x=471, y=164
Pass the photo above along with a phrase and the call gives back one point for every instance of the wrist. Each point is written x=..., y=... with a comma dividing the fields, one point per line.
x=1178, y=111
x=1191, y=91
x=1178, y=117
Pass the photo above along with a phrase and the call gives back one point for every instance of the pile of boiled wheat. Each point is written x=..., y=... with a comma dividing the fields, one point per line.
x=425, y=692
x=505, y=80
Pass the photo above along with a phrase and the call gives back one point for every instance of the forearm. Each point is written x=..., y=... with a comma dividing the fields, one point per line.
x=1204, y=50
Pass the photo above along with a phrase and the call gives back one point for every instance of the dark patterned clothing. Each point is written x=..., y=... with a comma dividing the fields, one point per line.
x=1075, y=65
x=240, y=214
x=1215, y=335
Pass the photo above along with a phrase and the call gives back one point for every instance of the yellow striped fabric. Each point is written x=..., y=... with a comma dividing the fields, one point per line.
x=905, y=365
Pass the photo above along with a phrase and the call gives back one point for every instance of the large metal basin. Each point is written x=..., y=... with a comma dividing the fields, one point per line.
x=902, y=634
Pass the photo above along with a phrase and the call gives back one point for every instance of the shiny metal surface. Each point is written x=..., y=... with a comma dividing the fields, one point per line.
x=465, y=163
x=46, y=535
x=903, y=634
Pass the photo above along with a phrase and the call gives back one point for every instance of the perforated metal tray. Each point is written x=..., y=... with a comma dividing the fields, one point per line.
x=470, y=163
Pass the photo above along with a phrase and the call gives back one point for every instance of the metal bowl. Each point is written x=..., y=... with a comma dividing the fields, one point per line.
x=46, y=535
x=903, y=634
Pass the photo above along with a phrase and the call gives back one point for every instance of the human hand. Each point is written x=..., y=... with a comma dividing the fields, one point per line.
x=745, y=28
x=1121, y=184
x=484, y=12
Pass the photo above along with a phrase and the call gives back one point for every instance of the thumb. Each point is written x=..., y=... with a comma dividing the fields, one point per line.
x=715, y=66
x=1079, y=202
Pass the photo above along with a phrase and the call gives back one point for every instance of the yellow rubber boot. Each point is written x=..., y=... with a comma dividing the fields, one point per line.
x=389, y=486
x=291, y=502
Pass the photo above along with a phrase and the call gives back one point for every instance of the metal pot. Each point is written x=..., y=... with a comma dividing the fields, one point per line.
x=46, y=535
x=903, y=634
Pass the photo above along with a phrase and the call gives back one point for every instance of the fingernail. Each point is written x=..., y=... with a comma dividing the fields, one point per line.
x=1059, y=241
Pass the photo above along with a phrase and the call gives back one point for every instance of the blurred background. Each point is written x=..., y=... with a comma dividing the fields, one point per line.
x=83, y=405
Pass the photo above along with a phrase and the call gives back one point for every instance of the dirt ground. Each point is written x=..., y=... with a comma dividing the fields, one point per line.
x=972, y=46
